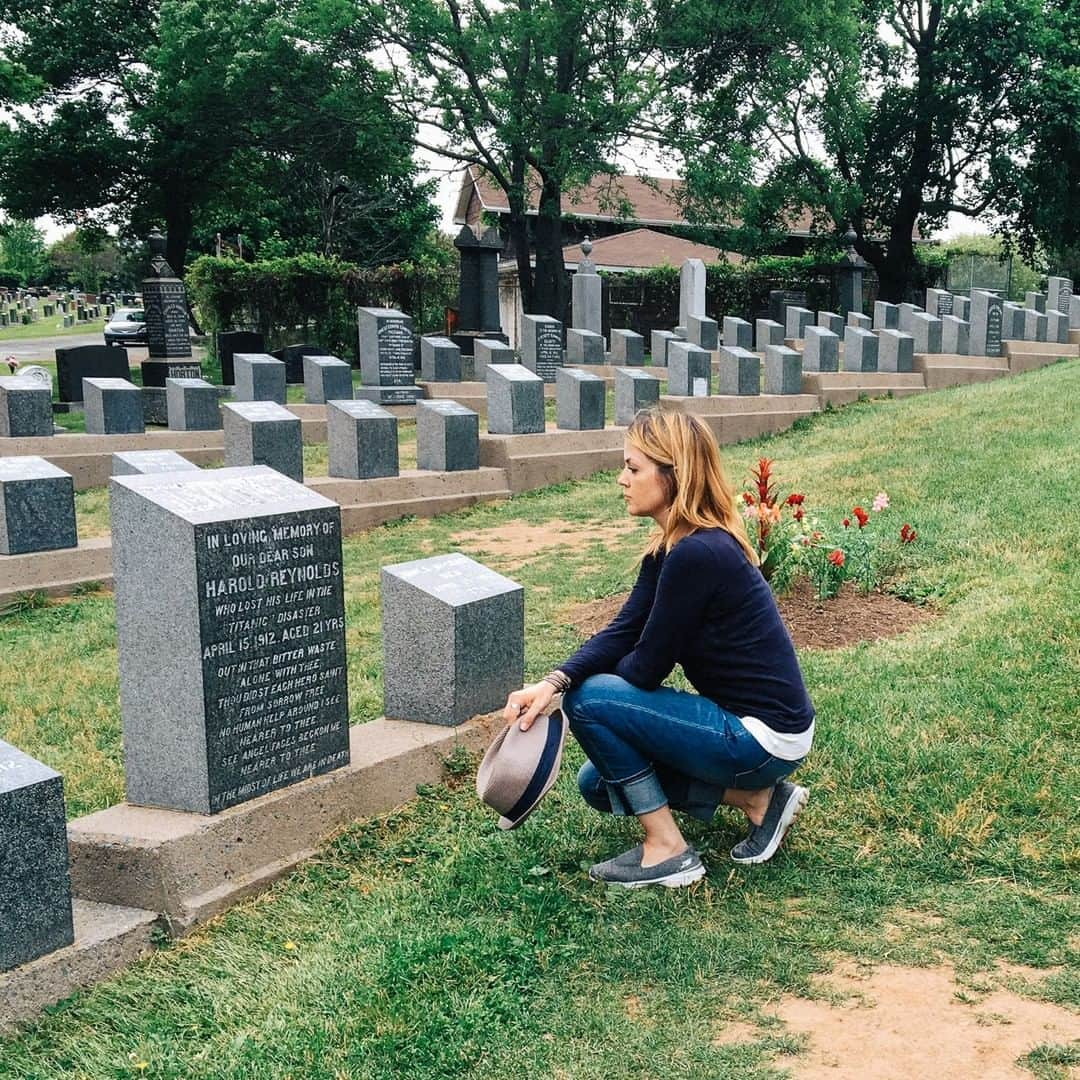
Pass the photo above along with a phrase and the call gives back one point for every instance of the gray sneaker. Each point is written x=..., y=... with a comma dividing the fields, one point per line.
x=763, y=840
x=626, y=870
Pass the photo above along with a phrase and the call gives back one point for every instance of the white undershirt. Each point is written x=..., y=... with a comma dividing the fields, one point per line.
x=782, y=744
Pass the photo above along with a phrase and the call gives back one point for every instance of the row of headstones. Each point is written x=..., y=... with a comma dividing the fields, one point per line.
x=256, y=697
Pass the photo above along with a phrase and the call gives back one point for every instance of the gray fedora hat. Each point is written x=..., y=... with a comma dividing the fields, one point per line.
x=520, y=767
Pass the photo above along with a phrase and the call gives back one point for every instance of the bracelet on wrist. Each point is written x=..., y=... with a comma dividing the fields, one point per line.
x=559, y=680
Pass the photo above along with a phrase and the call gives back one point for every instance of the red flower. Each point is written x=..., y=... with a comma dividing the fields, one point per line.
x=860, y=515
x=748, y=498
x=798, y=514
x=907, y=534
x=794, y=499
x=846, y=523
x=836, y=557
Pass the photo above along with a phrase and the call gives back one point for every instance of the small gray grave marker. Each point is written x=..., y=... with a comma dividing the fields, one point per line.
x=579, y=400
x=515, y=400
x=767, y=332
x=689, y=370
x=541, y=345
x=627, y=348
x=326, y=378
x=259, y=377
x=1034, y=325
x=702, y=331
x=447, y=436
x=860, y=349
x=859, y=320
x=25, y=408
x=362, y=440
x=739, y=372
x=37, y=506
x=886, y=316
x=987, y=324
x=659, y=342
x=192, y=405
x=798, y=319
x=583, y=347
x=387, y=370
x=113, y=407
x=634, y=390
x=822, y=350
x=783, y=370
x=738, y=333
x=490, y=351
x=896, y=351
x=926, y=330
x=440, y=360
x=830, y=321
x=954, y=335
x=453, y=639
x=263, y=433
x=147, y=462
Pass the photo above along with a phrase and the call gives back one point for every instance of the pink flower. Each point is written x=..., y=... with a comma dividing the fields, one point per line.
x=881, y=502
x=749, y=512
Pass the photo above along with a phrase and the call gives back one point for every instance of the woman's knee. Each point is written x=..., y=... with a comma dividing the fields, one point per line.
x=580, y=703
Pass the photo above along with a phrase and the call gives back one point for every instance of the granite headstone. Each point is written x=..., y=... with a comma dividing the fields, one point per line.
x=896, y=351
x=886, y=316
x=738, y=372
x=767, y=332
x=37, y=506
x=25, y=408
x=860, y=349
x=583, y=347
x=579, y=400
x=783, y=370
x=798, y=319
x=627, y=348
x=634, y=390
x=326, y=378
x=689, y=370
x=263, y=433
x=822, y=350
x=113, y=407
x=192, y=405
x=387, y=369
x=227, y=343
x=362, y=440
x=987, y=316
x=440, y=360
x=88, y=362
x=259, y=377
x=146, y=462
x=954, y=335
x=541, y=345
x=515, y=400
x=447, y=436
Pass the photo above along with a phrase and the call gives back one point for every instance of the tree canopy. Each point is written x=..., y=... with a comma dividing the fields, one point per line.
x=250, y=116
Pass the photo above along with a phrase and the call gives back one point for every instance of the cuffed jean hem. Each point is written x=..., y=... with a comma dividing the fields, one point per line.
x=692, y=797
x=641, y=794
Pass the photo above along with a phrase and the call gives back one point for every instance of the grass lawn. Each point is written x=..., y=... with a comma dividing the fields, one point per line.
x=49, y=328
x=426, y=943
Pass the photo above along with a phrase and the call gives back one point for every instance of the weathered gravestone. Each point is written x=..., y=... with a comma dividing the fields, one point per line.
x=292, y=356
x=1059, y=292
x=1035, y=300
x=478, y=293
x=35, y=887
x=168, y=339
x=830, y=321
x=926, y=330
x=702, y=331
x=88, y=362
x=541, y=345
x=987, y=316
x=440, y=360
x=515, y=400
x=783, y=370
x=738, y=333
x=587, y=296
x=579, y=400
x=253, y=694
x=886, y=316
x=447, y=436
x=1034, y=325
x=905, y=316
x=227, y=343
x=798, y=320
x=822, y=350
x=780, y=300
x=453, y=639
x=627, y=348
x=25, y=408
x=962, y=307
x=767, y=332
x=659, y=343
x=146, y=462
x=259, y=377
x=634, y=391
x=1012, y=322
x=584, y=347
x=326, y=378
x=363, y=440
x=860, y=349
x=37, y=506
x=192, y=405
x=738, y=372
x=263, y=433
x=691, y=290
x=859, y=320
x=896, y=351
x=490, y=351
x=113, y=407
x=689, y=370
x=954, y=335
x=387, y=371
x=1057, y=327
x=939, y=302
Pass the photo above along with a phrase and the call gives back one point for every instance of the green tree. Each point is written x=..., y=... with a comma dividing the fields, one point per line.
x=540, y=93
x=888, y=114
x=90, y=260
x=202, y=116
x=22, y=251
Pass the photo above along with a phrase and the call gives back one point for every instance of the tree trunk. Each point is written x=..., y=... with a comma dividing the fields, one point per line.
x=518, y=199
x=177, y=237
x=550, y=280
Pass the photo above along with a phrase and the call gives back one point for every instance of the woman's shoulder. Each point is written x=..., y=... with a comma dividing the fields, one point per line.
x=705, y=547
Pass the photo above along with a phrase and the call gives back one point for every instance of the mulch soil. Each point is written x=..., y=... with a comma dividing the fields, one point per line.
x=847, y=619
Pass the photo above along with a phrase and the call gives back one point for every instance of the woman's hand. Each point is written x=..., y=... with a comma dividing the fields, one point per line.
x=526, y=704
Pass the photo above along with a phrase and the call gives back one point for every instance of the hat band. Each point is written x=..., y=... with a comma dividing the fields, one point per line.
x=543, y=770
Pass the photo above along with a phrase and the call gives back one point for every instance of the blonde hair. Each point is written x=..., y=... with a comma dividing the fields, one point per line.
x=699, y=495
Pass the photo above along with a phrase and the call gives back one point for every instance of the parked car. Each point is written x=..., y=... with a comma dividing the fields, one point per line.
x=127, y=326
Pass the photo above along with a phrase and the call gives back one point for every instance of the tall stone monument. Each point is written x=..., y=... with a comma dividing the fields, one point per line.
x=587, y=294
x=165, y=304
x=691, y=290
x=478, y=290
x=849, y=276
x=387, y=371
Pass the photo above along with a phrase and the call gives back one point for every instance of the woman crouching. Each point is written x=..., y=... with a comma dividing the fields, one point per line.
x=699, y=601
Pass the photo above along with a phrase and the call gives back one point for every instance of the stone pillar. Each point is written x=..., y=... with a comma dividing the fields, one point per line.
x=849, y=276
x=478, y=290
x=165, y=304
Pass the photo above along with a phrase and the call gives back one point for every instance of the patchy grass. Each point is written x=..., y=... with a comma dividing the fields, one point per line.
x=49, y=328
x=426, y=943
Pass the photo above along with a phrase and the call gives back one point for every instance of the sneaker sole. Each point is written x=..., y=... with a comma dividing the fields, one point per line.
x=791, y=811
x=669, y=881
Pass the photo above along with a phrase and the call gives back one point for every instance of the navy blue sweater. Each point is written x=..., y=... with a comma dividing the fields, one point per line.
x=704, y=606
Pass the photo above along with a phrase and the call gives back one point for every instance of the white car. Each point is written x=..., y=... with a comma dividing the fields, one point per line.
x=126, y=326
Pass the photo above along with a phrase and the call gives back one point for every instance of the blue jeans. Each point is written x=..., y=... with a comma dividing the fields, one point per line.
x=652, y=748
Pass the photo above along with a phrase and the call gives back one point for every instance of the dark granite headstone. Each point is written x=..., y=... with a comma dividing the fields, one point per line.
x=659, y=343
x=987, y=315
x=145, y=462
x=860, y=349
x=634, y=390
x=703, y=331
x=767, y=332
x=447, y=436
x=362, y=440
x=822, y=350
x=780, y=300
x=579, y=400
x=192, y=405
x=440, y=360
x=387, y=371
x=478, y=293
x=689, y=370
x=253, y=696
x=783, y=370
x=37, y=506
x=228, y=343
x=955, y=335
x=293, y=358
x=541, y=345
x=263, y=433
x=453, y=637
x=886, y=316
x=168, y=337
x=738, y=372
x=627, y=348
x=259, y=377
x=515, y=400
x=35, y=887
x=896, y=351
x=25, y=408
x=113, y=407
x=88, y=362
x=737, y=333
x=326, y=378
x=798, y=320
x=584, y=346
